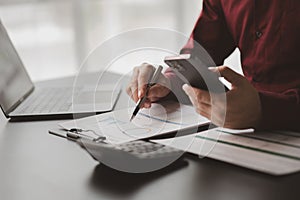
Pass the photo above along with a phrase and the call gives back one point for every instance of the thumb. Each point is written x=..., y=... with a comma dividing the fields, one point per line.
x=230, y=75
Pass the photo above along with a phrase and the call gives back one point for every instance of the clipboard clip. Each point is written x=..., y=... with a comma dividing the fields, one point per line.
x=76, y=133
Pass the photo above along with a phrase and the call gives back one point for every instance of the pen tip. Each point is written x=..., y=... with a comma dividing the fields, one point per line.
x=132, y=117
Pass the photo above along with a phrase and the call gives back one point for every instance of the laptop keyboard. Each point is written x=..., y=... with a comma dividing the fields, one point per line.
x=49, y=100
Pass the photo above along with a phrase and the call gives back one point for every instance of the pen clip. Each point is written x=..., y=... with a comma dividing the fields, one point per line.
x=155, y=77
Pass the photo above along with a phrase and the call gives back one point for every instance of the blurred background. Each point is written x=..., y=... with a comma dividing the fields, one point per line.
x=53, y=37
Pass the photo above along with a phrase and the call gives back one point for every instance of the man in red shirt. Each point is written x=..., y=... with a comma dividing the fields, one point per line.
x=267, y=32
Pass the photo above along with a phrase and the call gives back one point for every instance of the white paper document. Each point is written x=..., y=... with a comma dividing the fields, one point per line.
x=269, y=152
x=160, y=119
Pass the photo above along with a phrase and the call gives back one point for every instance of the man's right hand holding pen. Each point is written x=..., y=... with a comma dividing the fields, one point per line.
x=138, y=85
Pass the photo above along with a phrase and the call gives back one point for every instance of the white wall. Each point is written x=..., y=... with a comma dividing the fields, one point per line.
x=53, y=37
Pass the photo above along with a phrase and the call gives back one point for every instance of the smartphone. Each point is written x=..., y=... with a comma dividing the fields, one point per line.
x=194, y=72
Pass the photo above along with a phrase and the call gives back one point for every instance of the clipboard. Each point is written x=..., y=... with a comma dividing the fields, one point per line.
x=75, y=134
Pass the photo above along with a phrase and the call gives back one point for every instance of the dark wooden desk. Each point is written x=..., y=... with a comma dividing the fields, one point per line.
x=36, y=165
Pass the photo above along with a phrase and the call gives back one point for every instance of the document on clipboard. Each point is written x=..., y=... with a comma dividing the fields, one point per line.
x=116, y=127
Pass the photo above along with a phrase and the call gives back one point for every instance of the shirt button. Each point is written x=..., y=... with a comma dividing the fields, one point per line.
x=258, y=34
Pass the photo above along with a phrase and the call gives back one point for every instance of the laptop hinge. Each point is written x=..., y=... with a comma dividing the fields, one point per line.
x=13, y=107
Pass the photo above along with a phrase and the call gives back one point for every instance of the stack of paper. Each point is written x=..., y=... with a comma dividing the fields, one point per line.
x=276, y=153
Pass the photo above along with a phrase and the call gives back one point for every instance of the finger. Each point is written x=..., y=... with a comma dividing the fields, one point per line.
x=230, y=75
x=147, y=104
x=132, y=88
x=204, y=110
x=214, y=69
x=191, y=94
x=134, y=94
x=203, y=96
x=157, y=91
x=135, y=73
x=128, y=90
x=145, y=72
x=198, y=95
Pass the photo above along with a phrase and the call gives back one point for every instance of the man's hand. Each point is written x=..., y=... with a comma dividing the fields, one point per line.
x=137, y=87
x=242, y=108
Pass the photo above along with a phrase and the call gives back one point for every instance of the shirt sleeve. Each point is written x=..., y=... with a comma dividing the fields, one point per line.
x=210, y=33
x=281, y=111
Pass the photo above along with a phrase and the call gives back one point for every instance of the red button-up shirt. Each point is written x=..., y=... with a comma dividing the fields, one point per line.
x=267, y=32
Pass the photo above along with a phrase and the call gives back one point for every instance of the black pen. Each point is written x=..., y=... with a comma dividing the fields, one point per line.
x=152, y=82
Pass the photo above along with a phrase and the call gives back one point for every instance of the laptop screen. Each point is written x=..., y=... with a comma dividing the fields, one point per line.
x=14, y=80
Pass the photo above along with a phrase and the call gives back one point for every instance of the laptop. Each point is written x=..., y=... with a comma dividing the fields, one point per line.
x=21, y=100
